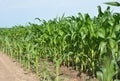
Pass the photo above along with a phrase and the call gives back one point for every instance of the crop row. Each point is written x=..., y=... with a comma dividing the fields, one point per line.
x=78, y=41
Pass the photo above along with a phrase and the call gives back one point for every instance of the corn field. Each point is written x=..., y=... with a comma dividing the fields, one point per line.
x=77, y=41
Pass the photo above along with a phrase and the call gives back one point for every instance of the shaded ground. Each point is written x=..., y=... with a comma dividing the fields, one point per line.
x=11, y=71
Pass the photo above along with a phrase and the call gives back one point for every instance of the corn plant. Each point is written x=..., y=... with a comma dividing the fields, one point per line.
x=79, y=41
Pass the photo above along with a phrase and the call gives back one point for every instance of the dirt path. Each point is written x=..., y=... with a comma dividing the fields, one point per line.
x=11, y=71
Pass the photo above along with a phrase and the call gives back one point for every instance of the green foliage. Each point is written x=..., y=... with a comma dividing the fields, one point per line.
x=108, y=70
x=78, y=41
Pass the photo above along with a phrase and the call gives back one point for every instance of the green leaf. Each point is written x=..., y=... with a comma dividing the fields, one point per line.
x=100, y=76
x=102, y=47
x=101, y=33
x=114, y=3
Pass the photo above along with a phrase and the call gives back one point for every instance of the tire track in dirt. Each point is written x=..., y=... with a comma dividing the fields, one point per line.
x=11, y=71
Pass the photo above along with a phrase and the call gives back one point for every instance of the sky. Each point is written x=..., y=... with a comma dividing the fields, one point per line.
x=21, y=12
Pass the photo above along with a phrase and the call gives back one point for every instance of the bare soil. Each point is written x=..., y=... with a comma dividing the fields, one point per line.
x=65, y=73
x=12, y=71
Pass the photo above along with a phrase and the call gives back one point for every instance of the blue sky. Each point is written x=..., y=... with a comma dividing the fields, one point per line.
x=20, y=12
